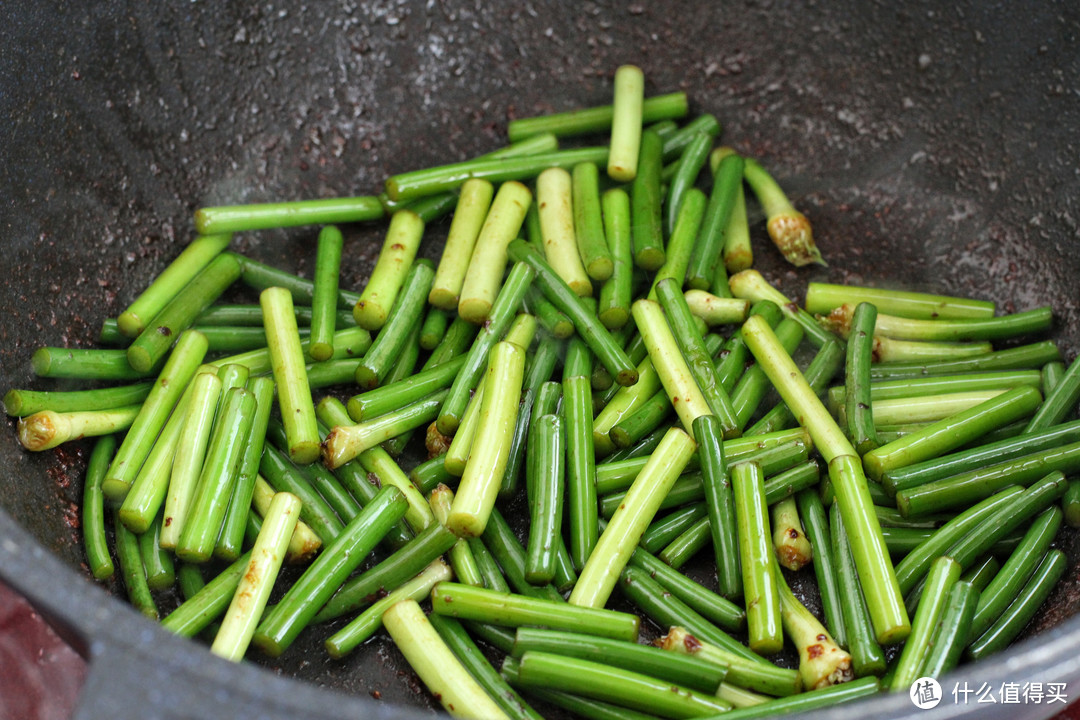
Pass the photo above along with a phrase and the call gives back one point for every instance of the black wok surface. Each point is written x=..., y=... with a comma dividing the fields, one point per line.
x=933, y=146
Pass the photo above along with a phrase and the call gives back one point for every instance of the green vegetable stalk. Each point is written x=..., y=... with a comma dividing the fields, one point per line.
x=624, y=530
x=396, y=257
x=483, y=474
x=788, y=228
x=436, y=665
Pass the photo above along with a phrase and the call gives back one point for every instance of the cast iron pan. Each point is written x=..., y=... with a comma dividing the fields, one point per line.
x=932, y=145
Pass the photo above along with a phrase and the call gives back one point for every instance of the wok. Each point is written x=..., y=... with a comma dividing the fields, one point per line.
x=932, y=144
